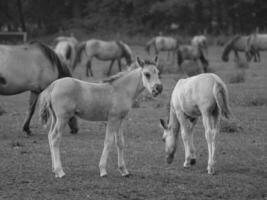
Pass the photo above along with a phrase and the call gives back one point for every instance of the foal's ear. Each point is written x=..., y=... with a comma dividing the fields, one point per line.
x=140, y=62
x=163, y=124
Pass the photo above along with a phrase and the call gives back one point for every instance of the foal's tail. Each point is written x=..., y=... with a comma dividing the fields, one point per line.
x=149, y=44
x=45, y=105
x=221, y=96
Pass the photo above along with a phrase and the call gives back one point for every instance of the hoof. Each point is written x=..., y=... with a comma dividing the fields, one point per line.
x=103, y=175
x=126, y=175
x=27, y=132
x=59, y=174
x=193, y=161
x=74, y=131
x=211, y=171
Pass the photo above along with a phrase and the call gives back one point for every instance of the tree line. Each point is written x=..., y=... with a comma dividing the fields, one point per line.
x=135, y=16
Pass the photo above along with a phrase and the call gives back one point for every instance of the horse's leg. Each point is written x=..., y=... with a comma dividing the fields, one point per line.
x=52, y=126
x=119, y=140
x=119, y=64
x=73, y=124
x=112, y=127
x=54, y=138
x=89, y=68
x=32, y=104
x=210, y=123
x=191, y=143
x=236, y=56
x=110, y=66
x=186, y=133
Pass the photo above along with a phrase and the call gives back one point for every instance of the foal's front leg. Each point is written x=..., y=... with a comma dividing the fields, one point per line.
x=119, y=140
x=112, y=127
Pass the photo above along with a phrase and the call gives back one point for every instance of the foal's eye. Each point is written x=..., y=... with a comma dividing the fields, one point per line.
x=147, y=75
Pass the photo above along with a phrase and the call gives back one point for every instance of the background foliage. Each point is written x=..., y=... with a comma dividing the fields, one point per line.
x=135, y=16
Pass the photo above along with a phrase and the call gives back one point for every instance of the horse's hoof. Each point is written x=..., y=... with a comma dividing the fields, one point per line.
x=127, y=175
x=27, y=132
x=59, y=174
x=193, y=161
x=211, y=171
x=103, y=175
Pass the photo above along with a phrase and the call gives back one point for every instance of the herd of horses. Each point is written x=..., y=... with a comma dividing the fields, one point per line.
x=47, y=74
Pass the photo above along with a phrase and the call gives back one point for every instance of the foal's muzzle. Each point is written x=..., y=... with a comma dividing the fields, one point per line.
x=157, y=89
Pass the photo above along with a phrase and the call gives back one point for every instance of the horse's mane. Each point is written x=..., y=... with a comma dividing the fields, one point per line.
x=229, y=45
x=63, y=70
x=115, y=77
x=126, y=51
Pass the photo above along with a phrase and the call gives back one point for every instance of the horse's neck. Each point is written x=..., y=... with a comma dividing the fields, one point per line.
x=173, y=121
x=131, y=83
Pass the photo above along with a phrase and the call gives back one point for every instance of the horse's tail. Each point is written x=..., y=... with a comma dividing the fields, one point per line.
x=203, y=60
x=221, y=96
x=45, y=105
x=228, y=47
x=149, y=44
x=80, y=49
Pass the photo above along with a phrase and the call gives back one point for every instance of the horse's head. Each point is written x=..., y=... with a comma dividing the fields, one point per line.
x=169, y=138
x=150, y=76
x=126, y=52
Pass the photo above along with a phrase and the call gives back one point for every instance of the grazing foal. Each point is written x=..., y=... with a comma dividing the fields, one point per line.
x=203, y=95
x=109, y=101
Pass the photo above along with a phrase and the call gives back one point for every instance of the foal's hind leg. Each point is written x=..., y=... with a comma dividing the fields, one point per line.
x=32, y=104
x=73, y=124
x=187, y=137
x=54, y=138
x=210, y=123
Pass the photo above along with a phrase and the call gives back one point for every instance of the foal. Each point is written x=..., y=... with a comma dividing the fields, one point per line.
x=203, y=95
x=109, y=101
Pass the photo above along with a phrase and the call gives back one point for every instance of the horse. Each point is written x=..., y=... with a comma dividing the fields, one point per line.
x=190, y=52
x=200, y=41
x=203, y=95
x=66, y=49
x=108, y=101
x=256, y=43
x=29, y=67
x=103, y=50
x=238, y=44
x=161, y=43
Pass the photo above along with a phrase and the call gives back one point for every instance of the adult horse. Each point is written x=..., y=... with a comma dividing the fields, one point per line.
x=103, y=50
x=190, y=52
x=161, y=43
x=201, y=42
x=109, y=101
x=238, y=44
x=256, y=43
x=66, y=49
x=30, y=67
x=203, y=95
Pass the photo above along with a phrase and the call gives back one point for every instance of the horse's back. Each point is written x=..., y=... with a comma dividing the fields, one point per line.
x=195, y=93
x=165, y=43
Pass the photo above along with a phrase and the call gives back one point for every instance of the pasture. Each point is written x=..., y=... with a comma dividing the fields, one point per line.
x=241, y=154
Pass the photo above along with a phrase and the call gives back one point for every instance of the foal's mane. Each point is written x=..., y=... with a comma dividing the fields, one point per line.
x=63, y=70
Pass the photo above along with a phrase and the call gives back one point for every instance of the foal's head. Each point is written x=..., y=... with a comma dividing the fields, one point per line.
x=169, y=138
x=150, y=76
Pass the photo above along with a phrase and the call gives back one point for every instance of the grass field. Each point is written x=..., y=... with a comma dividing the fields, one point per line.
x=25, y=166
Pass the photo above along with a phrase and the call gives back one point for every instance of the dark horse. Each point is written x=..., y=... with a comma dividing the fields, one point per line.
x=103, y=50
x=239, y=44
x=30, y=67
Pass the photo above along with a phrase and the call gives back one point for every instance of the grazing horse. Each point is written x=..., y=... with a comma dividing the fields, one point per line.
x=203, y=95
x=103, y=50
x=200, y=41
x=30, y=67
x=161, y=43
x=256, y=43
x=238, y=44
x=190, y=52
x=108, y=101
x=66, y=49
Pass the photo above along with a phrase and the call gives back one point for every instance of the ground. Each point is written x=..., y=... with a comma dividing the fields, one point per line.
x=241, y=155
